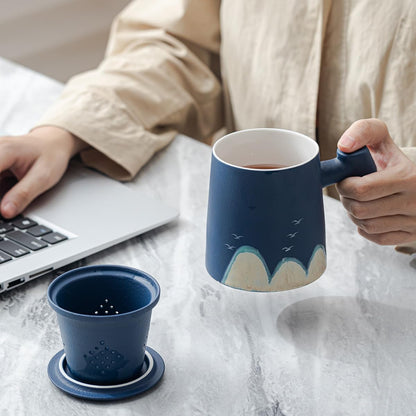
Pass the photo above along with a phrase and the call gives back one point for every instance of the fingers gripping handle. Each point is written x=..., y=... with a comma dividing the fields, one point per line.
x=358, y=163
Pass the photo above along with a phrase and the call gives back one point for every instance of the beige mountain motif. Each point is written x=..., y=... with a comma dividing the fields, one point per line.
x=247, y=271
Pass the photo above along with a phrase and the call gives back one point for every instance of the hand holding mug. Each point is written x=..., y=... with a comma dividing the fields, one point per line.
x=382, y=204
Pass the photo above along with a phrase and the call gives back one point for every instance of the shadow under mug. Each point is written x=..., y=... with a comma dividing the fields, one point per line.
x=265, y=227
x=104, y=316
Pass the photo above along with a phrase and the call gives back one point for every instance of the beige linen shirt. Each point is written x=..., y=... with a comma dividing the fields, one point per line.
x=193, y=66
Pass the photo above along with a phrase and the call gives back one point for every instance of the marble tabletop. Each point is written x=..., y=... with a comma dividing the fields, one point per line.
x=344, y=345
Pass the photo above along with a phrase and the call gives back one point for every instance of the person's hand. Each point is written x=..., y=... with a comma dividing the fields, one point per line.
x=37, y=160
x=382, y=204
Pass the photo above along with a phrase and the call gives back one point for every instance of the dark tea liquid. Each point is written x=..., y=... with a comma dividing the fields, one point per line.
x=265, y=166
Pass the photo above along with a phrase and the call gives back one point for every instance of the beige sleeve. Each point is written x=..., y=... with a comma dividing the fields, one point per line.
x=410, y=152
x=159, y=77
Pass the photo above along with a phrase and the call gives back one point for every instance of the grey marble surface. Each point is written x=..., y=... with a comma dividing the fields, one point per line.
x=344, y=345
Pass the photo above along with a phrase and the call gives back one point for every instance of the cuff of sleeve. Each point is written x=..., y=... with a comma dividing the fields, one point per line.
x=119, y=145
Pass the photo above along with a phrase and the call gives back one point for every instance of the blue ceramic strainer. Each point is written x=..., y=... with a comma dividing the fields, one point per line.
x=104, y=316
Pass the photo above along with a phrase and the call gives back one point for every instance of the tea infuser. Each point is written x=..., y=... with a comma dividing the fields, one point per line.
x=104, y=315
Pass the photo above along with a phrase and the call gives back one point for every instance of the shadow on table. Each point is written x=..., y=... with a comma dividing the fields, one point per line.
x=352, y=330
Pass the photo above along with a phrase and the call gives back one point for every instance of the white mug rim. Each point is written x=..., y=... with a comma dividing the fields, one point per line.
x=262, y=129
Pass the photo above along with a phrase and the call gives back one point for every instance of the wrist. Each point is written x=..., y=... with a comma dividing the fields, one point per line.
x=69, y=141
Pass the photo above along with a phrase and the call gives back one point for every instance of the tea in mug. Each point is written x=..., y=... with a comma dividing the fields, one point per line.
x=266, y=166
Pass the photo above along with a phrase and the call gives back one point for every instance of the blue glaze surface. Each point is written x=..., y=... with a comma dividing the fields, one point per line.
x=109, y=348
x=277, y=212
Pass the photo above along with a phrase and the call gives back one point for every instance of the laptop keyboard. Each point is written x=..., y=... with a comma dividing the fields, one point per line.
x=21, y=236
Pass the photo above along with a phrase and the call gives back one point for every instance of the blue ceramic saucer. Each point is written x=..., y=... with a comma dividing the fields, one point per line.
x=153, y=370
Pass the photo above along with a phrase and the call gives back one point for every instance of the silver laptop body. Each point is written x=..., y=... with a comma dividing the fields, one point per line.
x=94, y=212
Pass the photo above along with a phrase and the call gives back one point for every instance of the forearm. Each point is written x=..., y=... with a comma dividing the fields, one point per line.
x=152, y=84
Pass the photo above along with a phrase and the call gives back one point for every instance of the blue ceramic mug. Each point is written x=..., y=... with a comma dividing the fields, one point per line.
x=265, y=226
x=104, y=317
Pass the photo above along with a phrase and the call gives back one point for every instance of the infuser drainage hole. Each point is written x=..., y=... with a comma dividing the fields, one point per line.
x=106, y=308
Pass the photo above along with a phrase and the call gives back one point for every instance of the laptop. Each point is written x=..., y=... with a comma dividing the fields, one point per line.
x=85, y=213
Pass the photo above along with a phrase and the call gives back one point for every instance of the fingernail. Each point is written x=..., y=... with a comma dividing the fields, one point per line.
x=347, y=142
x=9, y=209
